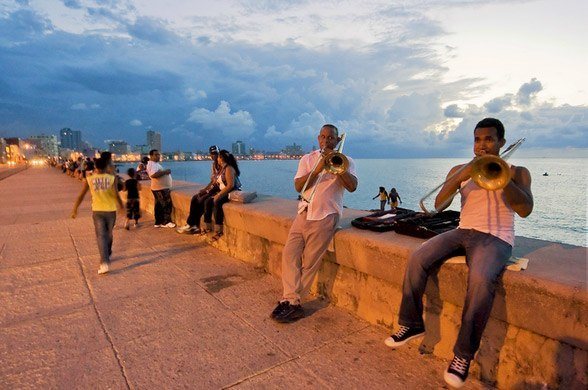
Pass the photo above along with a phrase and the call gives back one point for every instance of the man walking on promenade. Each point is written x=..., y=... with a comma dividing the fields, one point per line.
x=485, y=233
x=102, y=186
x=161, y=184
x=314, y=225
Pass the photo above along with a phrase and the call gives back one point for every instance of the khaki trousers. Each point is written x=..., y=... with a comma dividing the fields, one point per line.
x=301, y=258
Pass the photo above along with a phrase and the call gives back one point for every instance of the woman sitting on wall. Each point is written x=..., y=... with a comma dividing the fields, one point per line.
x=228, y=180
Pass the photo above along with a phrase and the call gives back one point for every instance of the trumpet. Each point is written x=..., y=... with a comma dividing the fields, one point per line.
x=335, y=162
x=489, y=172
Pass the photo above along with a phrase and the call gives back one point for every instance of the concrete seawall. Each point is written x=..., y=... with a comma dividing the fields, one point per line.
x=538, y=332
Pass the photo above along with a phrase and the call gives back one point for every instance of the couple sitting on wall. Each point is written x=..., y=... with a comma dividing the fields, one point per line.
x=224, y=178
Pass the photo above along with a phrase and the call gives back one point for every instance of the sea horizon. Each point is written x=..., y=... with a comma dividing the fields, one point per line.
x=560, y=197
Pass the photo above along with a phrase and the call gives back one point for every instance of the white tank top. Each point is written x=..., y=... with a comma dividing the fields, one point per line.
x=486, y=211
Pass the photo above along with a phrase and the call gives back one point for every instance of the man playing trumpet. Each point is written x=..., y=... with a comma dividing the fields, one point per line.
x=319, y=210
x=485, y=233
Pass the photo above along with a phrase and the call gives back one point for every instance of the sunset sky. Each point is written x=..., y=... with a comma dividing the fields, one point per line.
x=402, y=78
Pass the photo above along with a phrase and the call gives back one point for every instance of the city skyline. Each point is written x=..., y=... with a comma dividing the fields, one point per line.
x=401, y=79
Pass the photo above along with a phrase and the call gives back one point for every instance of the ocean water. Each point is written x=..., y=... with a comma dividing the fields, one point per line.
x=560, y=198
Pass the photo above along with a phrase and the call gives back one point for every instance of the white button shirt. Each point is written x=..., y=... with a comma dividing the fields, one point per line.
x=160, y=183
x=328, y=198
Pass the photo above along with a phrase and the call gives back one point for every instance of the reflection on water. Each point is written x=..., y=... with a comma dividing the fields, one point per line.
x=560, y=198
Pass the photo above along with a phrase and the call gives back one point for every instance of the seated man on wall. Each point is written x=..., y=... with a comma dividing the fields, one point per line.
x=198, y=201
x=314, y=226
x=485, y=232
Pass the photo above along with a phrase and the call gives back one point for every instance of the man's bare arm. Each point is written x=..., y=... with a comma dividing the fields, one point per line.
x=518, y=191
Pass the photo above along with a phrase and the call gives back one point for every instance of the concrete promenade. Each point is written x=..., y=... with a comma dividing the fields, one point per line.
x=173, y=313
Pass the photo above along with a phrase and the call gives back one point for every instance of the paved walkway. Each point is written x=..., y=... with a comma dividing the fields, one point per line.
x=174, y=313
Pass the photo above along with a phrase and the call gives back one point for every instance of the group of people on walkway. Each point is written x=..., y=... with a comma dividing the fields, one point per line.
x=104, y=185
x=485, y=232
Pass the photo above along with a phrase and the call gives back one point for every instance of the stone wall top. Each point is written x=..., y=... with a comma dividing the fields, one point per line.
x=549, y=298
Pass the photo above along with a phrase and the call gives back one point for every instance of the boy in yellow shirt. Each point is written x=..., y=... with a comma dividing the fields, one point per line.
x=105, y=198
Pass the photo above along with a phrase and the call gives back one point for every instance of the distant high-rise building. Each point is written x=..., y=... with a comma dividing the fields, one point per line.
x=118, y=147
x=239, y=148
x=70, y=139
x=141, y=149
x=46, y=145
x=154, y=140
x=293, y=150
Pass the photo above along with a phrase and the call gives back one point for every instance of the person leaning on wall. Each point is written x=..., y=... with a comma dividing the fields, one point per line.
x=314, y=225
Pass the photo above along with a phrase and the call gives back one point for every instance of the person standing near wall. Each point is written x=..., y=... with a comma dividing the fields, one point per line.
x=161, y=184
x=105, y=198
x=314, y=225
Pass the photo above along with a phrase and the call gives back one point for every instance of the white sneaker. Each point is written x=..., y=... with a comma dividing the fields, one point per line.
x=103, y=269
x=157, y=226
x=184, y=229
x=169, y=225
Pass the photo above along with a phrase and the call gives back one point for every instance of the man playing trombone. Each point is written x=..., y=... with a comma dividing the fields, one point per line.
x=321, y=204
x=485, y=232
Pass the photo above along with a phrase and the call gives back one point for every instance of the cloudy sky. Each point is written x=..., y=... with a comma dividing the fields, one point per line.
x=402, y=78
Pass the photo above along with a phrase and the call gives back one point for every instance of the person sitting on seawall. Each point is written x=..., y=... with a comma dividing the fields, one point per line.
x=192, y=225
x=383, y=198
x=228, y=180
x=393, y=199
x=485, y=233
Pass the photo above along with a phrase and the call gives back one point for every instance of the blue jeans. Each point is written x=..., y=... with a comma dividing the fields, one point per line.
x=486, y=257
x=215, y=207
x=104, y=224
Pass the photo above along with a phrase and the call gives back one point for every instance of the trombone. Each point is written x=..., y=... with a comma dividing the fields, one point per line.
x=489, y=172
x=335, y=162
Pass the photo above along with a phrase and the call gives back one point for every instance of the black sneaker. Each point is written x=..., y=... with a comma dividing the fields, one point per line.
x=457, y=372
x=403, y=335
x=290, y=313
x=279, y=309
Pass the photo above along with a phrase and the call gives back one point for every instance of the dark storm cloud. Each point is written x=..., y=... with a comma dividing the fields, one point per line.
x=22, y=25
x=73, y=4
x=528, y=91
x=151, y=30
x=453, y=111
x=219, y=90
x=498, y=104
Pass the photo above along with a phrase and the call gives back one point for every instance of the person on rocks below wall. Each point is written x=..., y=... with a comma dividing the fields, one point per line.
x=314, y=225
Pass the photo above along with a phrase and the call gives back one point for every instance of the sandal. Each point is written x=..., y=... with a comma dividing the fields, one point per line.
x=204, y=232
x=216, y=236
